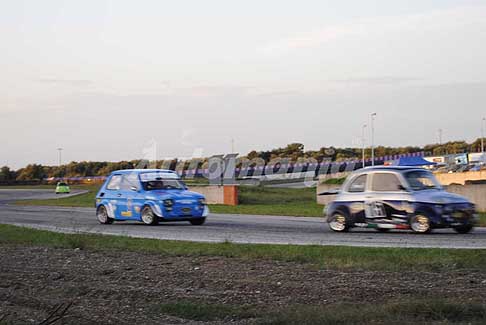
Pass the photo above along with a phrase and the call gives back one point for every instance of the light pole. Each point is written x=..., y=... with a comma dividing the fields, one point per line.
x=363, y=143
x=373, y=115
x=60, y=156
x=482, y=138
x=440, y=140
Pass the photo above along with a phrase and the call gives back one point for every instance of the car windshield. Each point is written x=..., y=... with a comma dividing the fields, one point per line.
x=62, y=184
x=161, y=181
x=163, y=184
x=420, y=180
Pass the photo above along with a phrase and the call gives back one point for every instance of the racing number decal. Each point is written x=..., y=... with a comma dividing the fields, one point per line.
x=128, y=213
x=375, y=210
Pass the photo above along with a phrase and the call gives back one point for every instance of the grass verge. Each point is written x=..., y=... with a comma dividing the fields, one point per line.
x=202, y=311
x=27, y=187
x=274, y=201
x=337, y=257
x=482, y=219
x=86, y=200
x=83, y=200
x=403, y=312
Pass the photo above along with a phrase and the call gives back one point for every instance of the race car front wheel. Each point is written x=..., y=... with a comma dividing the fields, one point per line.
x=102, y=215
x=338, y=222
x=198, y=222
x=464, y=229
x=148, y=216
x=420, y=223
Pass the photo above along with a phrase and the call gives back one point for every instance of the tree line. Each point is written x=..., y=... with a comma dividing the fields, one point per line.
x=295, y=152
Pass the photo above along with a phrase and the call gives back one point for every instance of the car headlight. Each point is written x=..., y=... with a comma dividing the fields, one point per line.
x=168, y=202
x=202, y=201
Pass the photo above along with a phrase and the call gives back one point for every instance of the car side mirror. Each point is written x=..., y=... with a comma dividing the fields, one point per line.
x=402, y=188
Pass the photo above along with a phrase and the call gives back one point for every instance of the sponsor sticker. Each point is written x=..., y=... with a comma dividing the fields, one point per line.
x=126, y=213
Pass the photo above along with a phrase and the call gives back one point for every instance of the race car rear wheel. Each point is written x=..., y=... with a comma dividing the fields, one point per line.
x=149, y=217
x=338, y=222
x=420, y=223
x=197, y=222
x=102, y=215
x=464, y=229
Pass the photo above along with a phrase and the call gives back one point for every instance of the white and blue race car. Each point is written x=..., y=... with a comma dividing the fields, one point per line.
x=387, y=198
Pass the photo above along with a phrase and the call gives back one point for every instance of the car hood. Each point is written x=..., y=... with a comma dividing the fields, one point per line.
x=438, y=197
x=176, y=195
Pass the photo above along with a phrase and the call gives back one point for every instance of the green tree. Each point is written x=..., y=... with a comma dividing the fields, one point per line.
x=31, y=172
x=6, y=174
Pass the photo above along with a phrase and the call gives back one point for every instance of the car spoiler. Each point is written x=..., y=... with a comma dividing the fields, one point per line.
x=331, y=192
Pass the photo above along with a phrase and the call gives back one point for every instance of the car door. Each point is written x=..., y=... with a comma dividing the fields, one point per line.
x=355, y=196
x=386, y=200
x=114, y=196
x=130, y=197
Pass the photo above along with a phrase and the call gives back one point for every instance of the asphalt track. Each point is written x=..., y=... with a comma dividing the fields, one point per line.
x=223, y=227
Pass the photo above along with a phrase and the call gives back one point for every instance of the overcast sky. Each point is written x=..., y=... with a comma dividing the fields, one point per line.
x=106, y=79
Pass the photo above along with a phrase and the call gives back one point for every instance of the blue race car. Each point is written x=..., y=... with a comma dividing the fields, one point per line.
x=387, y=198
x=150, y=196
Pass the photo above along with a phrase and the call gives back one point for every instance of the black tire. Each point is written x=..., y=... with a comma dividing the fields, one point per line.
x=102, y=216
x=383, y=229
x=338, y=222
x=197, y=222
x=464, y=229
x=420, y=223
x=148, y=216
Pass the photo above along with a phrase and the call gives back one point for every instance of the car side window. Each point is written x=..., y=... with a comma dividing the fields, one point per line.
x=114, y=183
x=129, y=181
x=385, y=182
x=358, y=185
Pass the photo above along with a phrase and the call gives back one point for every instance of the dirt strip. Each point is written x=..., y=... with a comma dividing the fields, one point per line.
x=126, y=287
